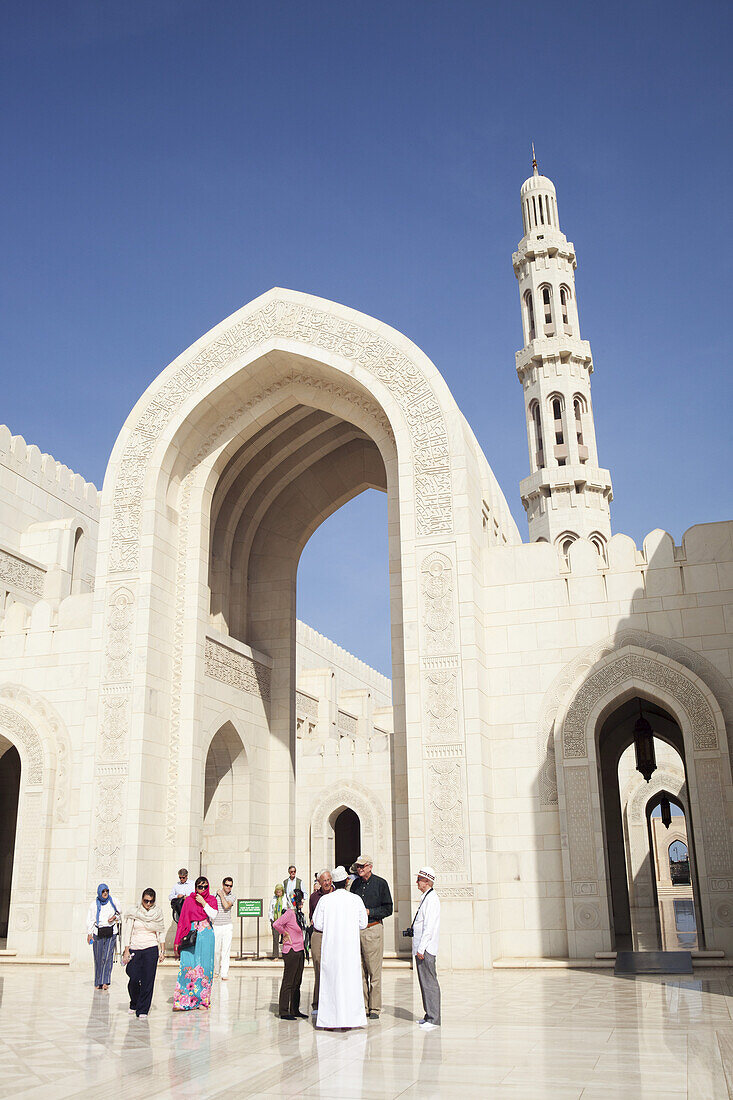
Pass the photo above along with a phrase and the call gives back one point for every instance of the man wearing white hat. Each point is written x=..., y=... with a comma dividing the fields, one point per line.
x=340, y=916
x=425, y=935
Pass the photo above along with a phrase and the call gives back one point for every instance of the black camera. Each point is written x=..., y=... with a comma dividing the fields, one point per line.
x=409, y=933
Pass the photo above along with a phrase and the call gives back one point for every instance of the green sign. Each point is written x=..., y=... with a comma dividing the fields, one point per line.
x=249, y=907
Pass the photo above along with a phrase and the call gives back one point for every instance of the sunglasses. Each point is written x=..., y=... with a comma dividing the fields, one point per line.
x=148, y=901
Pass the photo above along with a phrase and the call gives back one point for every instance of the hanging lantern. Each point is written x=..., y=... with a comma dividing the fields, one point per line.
x=666, y=809
x=646, y=761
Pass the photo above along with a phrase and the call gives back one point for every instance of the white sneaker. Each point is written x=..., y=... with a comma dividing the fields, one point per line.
x=143, y=1016
x=427, y=1026
x=131, y=1011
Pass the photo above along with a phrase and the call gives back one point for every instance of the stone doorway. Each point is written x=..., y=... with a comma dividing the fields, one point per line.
x=347, y=838
x=642, y=898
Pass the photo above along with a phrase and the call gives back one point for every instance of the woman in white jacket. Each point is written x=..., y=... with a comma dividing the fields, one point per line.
x=102, y=918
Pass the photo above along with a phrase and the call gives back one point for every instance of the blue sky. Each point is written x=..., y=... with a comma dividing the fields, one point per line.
x=168, y=161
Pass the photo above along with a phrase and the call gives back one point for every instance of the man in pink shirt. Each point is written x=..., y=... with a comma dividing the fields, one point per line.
x=291, y=925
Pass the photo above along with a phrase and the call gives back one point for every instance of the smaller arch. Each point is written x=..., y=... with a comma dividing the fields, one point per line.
x=536, y=419
x=529, y=316
x=77, y=561
x=548, y=320
x=563, y=542
x=565, y=297
x=598, y=541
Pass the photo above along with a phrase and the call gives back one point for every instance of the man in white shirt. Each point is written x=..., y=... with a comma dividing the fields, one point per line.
x=180, y=892
x=291, y=884
x=425, y=936
x=222, y=924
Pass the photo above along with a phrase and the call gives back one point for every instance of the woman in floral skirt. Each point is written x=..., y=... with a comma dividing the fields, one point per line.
x=196, y=972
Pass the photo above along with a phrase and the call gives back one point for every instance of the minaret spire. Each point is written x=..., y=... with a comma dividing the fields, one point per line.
x=567, y=494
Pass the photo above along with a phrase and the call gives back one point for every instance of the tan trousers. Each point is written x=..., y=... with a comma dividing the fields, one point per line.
x=372, y=953
x=316, y=941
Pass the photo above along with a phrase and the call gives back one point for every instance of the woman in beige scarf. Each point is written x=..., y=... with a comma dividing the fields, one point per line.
x=143, y=939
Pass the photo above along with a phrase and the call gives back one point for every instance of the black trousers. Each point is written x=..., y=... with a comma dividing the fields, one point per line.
x=141, y=973
x=293, y=962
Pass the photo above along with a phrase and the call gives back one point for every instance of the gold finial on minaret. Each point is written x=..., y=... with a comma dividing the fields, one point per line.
x=535, y=171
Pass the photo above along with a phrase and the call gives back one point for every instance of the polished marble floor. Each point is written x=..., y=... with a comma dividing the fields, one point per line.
x=507, y=1034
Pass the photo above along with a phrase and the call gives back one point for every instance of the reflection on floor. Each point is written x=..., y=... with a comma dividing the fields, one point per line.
x=521, y=1034
x=669, y=927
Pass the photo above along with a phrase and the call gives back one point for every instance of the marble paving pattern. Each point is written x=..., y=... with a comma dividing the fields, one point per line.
x=522, y=1034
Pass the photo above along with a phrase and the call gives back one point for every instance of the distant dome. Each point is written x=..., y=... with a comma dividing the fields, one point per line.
x=538, y=183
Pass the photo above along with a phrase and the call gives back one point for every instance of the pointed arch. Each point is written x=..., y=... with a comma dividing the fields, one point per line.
x=627, y=672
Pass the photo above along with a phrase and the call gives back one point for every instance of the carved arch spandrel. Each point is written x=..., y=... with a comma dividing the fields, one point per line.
x=575, y=671
x=301, y=324
x=627, y=672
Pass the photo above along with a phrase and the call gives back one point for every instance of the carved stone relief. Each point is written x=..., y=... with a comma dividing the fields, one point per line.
x=108, y=834
x=21, y=574
x=442, y=705
x=237, y=669
x=446, y=820
x=313, y=328
x=437, y=584
x=634, y=666
x=32, y=755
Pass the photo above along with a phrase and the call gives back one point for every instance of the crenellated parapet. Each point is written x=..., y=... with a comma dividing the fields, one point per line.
x=45, y=472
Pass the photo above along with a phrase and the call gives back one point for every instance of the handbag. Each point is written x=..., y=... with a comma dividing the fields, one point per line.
x=188, y=943
x=105, y=932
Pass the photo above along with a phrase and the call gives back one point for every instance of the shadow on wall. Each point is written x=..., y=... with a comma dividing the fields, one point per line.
x=663, y=600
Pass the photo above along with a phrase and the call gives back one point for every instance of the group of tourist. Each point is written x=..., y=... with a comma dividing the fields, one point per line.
x=344, y=934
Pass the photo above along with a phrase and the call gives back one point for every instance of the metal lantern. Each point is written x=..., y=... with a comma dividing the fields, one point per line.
x=666, y=809
x=646, y=761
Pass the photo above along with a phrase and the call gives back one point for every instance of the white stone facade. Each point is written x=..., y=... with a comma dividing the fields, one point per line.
x=168, y=710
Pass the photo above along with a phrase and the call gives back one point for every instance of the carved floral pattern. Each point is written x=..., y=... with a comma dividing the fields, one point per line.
x=634, y=666
x=22, y=730
x=436, y=580
x=446, y=817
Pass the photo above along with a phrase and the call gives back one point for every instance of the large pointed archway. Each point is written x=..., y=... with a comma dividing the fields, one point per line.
x=228, y=463
x=632, y=672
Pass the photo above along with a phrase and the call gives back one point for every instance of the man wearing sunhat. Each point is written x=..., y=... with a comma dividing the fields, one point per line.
x=374, y=892
x=425, y=935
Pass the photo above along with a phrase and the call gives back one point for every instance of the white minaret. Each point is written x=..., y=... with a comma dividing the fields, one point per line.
x=567, y=495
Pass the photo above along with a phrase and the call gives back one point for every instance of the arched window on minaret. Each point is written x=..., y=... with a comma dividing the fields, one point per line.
x=534, y=412
x=565, y=308
x=579, y=408
x=529, y=313
x=564, y=542
x=560, y=450
x=600, y=544
x=546, y=298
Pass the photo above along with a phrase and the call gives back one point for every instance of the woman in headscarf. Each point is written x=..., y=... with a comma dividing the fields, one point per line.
x=278, y=904
x=195, y=944
x=102, y=917
x=143, y=940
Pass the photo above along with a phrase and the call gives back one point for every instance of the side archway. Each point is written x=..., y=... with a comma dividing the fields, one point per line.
x=630, y=672
x=30, y=869
x=323, y=817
